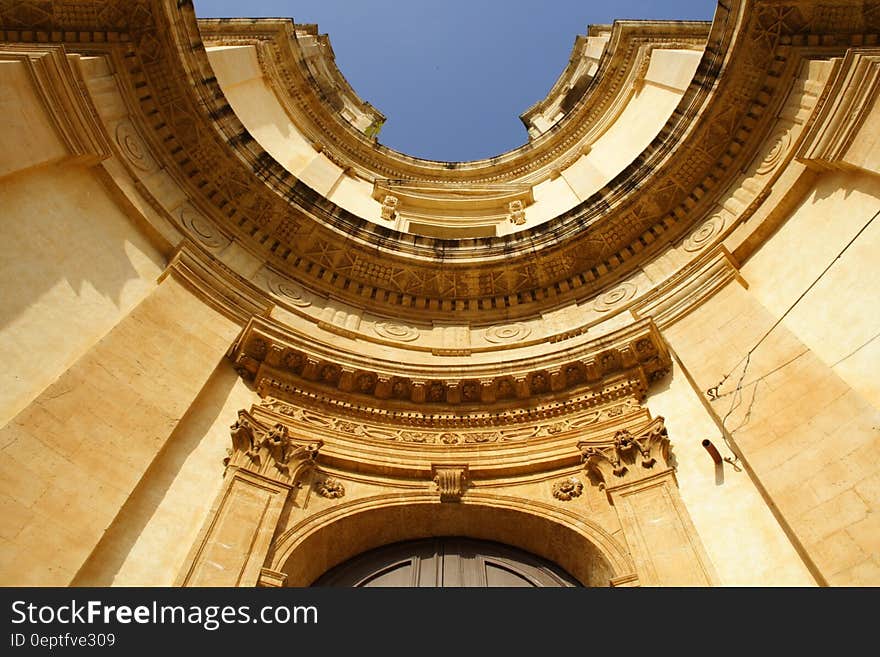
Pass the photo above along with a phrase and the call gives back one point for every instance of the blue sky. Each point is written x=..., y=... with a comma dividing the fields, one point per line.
x=453, y=76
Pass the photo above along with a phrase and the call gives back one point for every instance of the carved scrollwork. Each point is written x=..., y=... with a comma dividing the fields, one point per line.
x=243, y=438
x=269, y=452
x=450, y=438
x=480, y=437
x=628, y=456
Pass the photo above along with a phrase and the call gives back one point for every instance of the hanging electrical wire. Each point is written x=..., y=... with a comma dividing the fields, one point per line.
x=713, y=392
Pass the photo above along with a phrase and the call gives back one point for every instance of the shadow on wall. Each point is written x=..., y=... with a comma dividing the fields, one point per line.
x=61, y=225
x=112, y=552
x=72, y=264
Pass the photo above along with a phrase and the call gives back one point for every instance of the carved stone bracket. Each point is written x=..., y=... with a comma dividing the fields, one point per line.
x=269, y=452
x=451, y=481
x=629, y=457
x=271, y=579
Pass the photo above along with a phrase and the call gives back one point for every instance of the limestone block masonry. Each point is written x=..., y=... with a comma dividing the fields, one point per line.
x=247, y=343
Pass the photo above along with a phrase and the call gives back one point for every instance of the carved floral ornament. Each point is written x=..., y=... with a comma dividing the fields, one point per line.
x=331, y=488
x=464, y=435
x=567, y=489
x=269, y=451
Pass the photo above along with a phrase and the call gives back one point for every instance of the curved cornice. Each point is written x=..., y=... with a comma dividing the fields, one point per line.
x=286, y=65
x=718, y=127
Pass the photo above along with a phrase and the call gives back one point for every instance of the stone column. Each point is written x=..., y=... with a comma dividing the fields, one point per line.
x=263, y=467
x=636, y=474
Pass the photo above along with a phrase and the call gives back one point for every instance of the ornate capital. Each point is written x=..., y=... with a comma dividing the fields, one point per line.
x=629, y=457
x=451, y=480
x=269, y=452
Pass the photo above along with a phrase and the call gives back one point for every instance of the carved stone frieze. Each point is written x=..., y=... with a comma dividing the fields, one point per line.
x=637, y=351
x=510, y=424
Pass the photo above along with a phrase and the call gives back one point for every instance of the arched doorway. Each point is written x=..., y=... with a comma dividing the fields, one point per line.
x=447, y=562
x=306, y=550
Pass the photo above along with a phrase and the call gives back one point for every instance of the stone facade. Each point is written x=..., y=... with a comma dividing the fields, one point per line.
x=246, y=342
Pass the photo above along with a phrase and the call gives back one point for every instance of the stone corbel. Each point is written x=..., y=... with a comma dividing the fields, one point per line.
x=451, y=481
x=418, y=390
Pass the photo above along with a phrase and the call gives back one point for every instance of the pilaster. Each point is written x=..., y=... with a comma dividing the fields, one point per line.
x=636, y=471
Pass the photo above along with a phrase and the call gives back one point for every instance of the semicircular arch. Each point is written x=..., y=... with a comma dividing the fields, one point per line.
x=310, y=548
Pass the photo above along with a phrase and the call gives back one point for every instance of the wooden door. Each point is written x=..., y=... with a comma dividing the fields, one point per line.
x=447, y=562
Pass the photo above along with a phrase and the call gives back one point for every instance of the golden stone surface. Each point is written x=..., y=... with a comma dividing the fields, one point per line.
x=237, y=356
